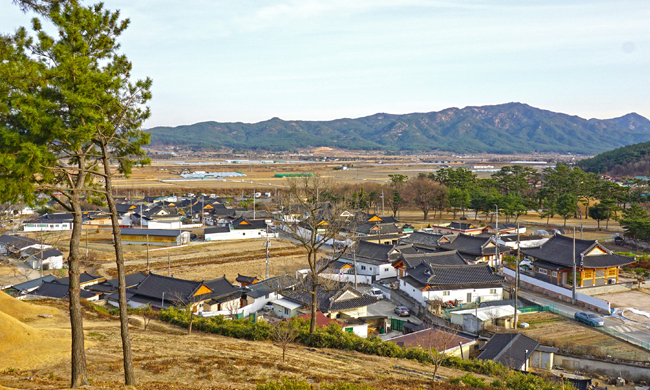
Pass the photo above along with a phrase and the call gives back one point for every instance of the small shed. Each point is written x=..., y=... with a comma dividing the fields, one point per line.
x=285, y=308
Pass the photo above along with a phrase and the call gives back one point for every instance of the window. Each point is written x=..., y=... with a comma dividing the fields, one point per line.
x=286, y=311
x=266, y=296
x=446, y=293
x=363, y=267
x=589, y=273
x=542, y=271
x=386, y=269
x=493, y=291
x=611, y=272
x=554, y=274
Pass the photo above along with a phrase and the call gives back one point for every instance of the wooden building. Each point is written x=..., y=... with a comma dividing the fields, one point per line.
x=595, y=264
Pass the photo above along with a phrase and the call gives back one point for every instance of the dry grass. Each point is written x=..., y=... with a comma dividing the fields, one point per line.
x=169, y=359
x=556, y=331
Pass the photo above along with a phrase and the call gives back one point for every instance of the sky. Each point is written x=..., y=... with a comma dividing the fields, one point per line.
x=249, y=61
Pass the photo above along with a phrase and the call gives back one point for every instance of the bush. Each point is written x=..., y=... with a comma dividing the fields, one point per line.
x=336, y=338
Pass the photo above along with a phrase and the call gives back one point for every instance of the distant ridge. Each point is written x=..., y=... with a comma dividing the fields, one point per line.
x=504, y=128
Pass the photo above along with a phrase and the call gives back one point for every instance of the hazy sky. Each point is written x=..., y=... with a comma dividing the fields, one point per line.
x=248, y=61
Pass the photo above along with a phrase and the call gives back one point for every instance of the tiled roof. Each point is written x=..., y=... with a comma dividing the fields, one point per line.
x=83, y=278
x=46, y=254
x=17, y=242
x=424, y=239
x=371, y=250
x=58, y=291
x=437, y=258
x=559, y=250
x=217, y=229
x=221, y=286
x=153, y=286
x=331, y=301
x=321, y=320
x=437, y=275
x=372, y=228
x=472, y=245
x=509, y=349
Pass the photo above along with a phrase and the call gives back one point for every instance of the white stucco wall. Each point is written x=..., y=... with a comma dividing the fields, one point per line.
x=485, y=294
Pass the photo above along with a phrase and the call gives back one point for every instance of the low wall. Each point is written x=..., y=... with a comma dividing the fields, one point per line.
x=593, y=366
x=361, y=279
x=557, y=292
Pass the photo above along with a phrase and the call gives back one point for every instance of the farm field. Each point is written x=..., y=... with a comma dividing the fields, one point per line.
x=554, y=330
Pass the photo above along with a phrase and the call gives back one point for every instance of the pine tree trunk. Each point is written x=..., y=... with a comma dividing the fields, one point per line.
x=129, y=373
x=78, y=361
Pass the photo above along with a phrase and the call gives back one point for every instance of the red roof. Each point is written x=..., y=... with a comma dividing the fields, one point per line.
x=321, y=320
x=430, y=338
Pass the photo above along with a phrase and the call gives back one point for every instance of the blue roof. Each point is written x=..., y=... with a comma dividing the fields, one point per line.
x=34, y=283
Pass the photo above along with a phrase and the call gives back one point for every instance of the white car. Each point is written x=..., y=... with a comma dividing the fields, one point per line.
x=375, y=292
x=268, y=306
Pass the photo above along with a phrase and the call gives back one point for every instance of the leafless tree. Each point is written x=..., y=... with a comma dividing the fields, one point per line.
x=232, y=307
x=284, y=333
x=319, y=228
x=436, y=341
x=424, y=194
x=188, y=304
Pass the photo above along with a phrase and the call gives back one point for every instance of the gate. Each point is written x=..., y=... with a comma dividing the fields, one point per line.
x=396, y=324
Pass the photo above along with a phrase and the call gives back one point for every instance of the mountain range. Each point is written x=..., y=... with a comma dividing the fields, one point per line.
x=504, y=128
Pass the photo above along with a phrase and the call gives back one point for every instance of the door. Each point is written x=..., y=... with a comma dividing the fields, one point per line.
x=469, y=297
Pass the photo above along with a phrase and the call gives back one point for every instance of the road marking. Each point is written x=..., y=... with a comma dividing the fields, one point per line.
x=622, y=328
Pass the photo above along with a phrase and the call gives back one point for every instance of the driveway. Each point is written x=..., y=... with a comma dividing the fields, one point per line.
x=386, y=309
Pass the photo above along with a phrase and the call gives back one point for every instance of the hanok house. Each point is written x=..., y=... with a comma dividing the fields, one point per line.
x=476, y=249
x=155, y=237
x=340, y=303
x=428, y=282
x=244, y=280
x=160, y=292
x=406, y=261
x=426, y=240
x=518, y=352
x=374, y=259
x=595, y=264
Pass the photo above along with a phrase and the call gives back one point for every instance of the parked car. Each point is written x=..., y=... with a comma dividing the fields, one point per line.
x=402, y=311
x=268, y=306
x=375, y=292
x=589, y=319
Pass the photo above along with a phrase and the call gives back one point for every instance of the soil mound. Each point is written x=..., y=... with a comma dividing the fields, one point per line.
x=24, y=347
x=23, y=310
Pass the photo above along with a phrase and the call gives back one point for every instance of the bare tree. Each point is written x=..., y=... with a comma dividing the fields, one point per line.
x=188, y=304
x=436, y=342
x=425, y=194
x=317, y=230
x=232, y=307
x=284, y=333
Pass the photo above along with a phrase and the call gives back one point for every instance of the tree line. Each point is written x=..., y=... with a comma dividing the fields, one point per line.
x=513, y=190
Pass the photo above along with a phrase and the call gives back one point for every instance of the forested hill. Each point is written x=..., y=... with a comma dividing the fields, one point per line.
x=504, y=128
x=631, y=160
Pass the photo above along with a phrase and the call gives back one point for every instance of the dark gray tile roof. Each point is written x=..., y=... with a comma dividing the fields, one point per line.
x=559, y=250
x=331, y=301
x=437, y=258
x=34, y=283
x=58, y=291
x=16, y=242
x=83, y=278
x=372, y=228
x=462, y=225
x=246, y=279
x=46, y=254
x=509, y=349
x=371, y=250
x=153, y=287
x=217, y=229
x=53, y=218
x=130, y=280
x=274, y=284
x=472, y=245
x=463, y=275
x=551, y=266
x=221, y=286
x=424, y=239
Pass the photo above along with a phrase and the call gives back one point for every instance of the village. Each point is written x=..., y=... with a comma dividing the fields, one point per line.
x=468, y=288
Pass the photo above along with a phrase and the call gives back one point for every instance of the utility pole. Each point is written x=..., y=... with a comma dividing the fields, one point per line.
x=253, y=203
x=41, y=247
x=517, y=273
x=382, y=203
x=267, y=244
x=169, y=265
x=354, y=258
x=573, y=290
x=581, y=231
x=147, y=253
x=496, y=240
x=86, y=243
